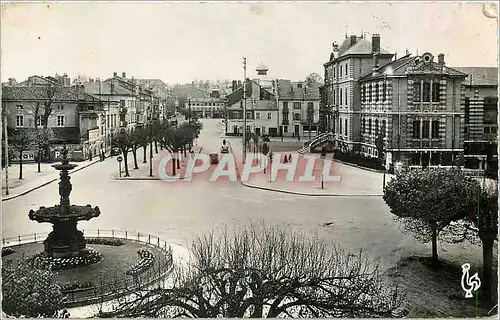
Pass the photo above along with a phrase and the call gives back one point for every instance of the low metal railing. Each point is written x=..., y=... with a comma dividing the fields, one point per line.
x=113, y=288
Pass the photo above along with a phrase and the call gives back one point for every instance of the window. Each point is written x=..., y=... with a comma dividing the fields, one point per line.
x=435, y=92
x=369, y=126
x=383, y=127
x=435, y=129
x=122, y=103
x=60, y=121
x=425, y=129
x=363, y=125
x=236, y=115
x=333, y=72
x=416, y=92
x=376, y=92
x=296, y=116
x=107, y=121
x=486, y=129
x=285, y=107
x=296, y=105
x=269, y=116
x=249, y=115
x=363, y=94
x=345, y=126
x=416, y=129
x=376, y=127
x=299, y=85
x=285, y=129
x=60, y=107
x=340, y=98
x=39, y=120
x=384, y=91
x=20, y=121
x=369, y=93
x=340, y=126
x=346, y=69
x=334, y=94
x=340, y=73
x=427, y=91
x=257, y=115
x=346, y=96
x=19, y=107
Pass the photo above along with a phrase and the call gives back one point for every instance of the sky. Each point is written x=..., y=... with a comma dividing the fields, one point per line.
x=181, y=42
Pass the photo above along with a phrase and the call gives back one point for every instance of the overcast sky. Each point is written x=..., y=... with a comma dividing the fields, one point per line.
x=179, y=42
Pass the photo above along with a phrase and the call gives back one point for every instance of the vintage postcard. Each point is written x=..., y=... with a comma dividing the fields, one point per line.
x=249, y=159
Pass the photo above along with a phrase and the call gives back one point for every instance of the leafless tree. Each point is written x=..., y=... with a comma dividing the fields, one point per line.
x=261, y=271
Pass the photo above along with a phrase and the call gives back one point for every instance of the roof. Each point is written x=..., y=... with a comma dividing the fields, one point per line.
x=480, y=76
x=17, y=93
x=408, y=64
x=97, y=88
x=362, y=46
x=290, y=90
x=37, y=80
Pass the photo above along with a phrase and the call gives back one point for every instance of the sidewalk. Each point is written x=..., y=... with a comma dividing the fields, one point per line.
x=143, y=172
x=353, y=181
x=33, y=180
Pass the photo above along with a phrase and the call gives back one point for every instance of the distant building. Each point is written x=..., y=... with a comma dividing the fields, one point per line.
x=481, y=118
x=212, y=107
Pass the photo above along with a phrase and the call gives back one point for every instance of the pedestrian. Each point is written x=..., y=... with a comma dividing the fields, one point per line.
x=285, y=160
x=290, y=157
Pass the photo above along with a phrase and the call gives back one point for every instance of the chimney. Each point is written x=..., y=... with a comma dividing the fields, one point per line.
x=441, y=59
x=234, y=85
x=335, y=50
x=239, y=83
x=124, y=75
x=376, y=43
x=353, y=40
x=115, y=74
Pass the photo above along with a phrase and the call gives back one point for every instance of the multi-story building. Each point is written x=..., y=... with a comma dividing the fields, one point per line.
x=73, y=116
x=481, y=118
x=211, y=107
x=354, y=58
x=416, y=105
x=298, y=108
x=261, y=111
x=164, y=95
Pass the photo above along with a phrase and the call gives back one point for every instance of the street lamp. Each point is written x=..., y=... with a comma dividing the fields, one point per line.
x=150, y=145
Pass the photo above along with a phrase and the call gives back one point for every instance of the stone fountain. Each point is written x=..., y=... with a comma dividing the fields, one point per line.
x=65, y=240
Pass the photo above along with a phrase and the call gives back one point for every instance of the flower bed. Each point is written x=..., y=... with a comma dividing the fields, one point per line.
x=360, y=160
x=105, y=241
x=90, y=256
x=147, y=260
x=76, y=286
x=7, y=251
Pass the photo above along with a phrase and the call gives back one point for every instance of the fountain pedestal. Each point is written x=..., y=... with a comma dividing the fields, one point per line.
x=65, y=240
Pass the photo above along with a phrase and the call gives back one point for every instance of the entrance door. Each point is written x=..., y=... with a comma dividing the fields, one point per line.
x=235, y=129
x=257, y=131
x=297, y=129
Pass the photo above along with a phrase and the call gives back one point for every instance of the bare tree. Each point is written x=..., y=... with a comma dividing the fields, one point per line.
x=123, y=141
x=21, y=141
x=41, y=139
x=261, y=271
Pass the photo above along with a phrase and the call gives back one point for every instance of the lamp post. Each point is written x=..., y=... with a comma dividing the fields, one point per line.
x=244, y=109
x=150, y=145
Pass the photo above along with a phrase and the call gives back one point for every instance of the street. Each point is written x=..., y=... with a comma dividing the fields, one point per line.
x=178, y=211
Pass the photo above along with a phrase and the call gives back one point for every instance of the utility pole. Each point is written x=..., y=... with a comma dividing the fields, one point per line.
x=6, y=156
x=244, y=109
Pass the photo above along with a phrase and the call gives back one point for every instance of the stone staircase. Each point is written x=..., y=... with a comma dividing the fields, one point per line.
x=316, y=141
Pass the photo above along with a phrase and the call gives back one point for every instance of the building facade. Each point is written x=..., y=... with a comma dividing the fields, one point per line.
x=481, y=118
x=354, y=58
x=299, y=106
x=206, y=107
x=416, y=105
x=73, y=116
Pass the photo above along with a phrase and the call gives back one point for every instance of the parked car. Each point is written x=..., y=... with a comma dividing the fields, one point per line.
x=266, y=138
x=224, y=149
x=115, y=151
